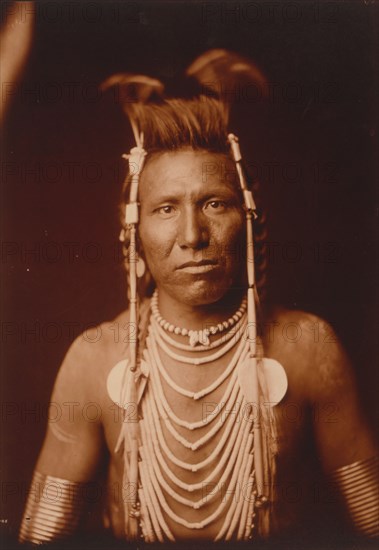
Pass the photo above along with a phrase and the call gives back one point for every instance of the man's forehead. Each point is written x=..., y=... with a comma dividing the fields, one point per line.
x=188, y=166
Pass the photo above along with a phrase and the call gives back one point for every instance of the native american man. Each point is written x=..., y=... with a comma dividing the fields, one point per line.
x=195, y=417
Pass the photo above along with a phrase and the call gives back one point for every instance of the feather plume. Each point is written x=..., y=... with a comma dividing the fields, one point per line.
x=228, y=75
x=134, y=88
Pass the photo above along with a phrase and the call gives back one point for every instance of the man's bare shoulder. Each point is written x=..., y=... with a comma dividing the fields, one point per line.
x=92, y=355
x=310, y=351
x=109, y=339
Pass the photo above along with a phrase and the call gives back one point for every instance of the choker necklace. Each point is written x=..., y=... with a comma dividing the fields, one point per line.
x=196, y=337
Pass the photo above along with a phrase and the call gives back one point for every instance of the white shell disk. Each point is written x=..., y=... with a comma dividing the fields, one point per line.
x=114, y=382
x=119, y=380
x=140, y=268
x=274, y=378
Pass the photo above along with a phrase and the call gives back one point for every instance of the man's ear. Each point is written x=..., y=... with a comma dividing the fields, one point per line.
x=146, y=283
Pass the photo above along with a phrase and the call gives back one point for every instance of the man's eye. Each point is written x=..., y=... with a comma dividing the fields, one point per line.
x=216, y=205
x=165, y=210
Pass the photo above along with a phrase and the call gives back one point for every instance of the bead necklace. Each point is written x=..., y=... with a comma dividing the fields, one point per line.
x=154, y=485
x=235, y=463
x=195, y=360
x=230, y=458
x=196, y=505
x=154, y=508
x=168, y=412
x=234, y=512
x=145, y=517
x=196, y=336
x=196, y=395
x=160, y=442
x=205, y=438
x=166, y=336
x=231, y=447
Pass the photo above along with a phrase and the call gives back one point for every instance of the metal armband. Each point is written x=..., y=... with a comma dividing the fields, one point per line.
x=53, y=509
x=358, y=485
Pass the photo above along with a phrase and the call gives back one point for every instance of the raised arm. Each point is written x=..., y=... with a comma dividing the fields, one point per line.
x=71, y=452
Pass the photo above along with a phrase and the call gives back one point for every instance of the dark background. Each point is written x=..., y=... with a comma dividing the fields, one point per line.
x=312, y=143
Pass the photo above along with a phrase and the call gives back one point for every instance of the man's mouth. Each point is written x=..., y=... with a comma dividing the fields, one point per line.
x=203, y=266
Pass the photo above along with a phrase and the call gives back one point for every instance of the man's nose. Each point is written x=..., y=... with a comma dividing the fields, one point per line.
x=192, y=229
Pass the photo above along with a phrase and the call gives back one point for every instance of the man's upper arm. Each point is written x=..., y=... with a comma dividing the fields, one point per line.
x=341, y=430
x=74, y=438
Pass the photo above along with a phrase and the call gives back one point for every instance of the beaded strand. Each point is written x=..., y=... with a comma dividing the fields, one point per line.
x=196, y=336
x=208, y=389
x=165, y=335
x=200, y=423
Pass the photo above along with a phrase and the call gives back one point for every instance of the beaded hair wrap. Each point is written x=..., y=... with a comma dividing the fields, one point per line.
x=264, y=470
x=136, y=160
x=137, y=90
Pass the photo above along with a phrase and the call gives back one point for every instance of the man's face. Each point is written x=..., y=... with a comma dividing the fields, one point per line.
x=192, y=224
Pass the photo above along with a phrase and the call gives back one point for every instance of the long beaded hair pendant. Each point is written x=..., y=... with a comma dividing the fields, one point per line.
x=250, y=210
x=136, y=161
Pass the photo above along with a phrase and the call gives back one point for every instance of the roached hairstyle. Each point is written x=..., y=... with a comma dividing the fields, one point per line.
x=195, y=113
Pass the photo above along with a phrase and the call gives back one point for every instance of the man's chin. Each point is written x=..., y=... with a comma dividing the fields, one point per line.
x=199, y=293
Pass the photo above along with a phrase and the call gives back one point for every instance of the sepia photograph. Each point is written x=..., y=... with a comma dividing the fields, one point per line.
x=189, y=274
